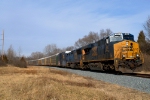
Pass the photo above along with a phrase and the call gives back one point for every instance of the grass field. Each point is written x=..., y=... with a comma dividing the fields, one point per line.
x=39, y=83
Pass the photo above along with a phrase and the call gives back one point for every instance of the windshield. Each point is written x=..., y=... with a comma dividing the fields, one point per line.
x=116, y=38
x=121, y=36
x=128, y=37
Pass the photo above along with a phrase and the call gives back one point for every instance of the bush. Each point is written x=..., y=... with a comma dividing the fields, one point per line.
x=146, y=65
x=2, y=63
x=19, y=62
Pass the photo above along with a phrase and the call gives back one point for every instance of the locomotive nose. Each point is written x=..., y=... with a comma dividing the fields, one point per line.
x=129, y=50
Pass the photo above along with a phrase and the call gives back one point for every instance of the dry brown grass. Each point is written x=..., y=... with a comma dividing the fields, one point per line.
x=39, y=83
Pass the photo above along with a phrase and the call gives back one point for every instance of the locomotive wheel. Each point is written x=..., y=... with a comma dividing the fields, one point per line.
x=106, y=67
x=84, y=67
x=112, y=67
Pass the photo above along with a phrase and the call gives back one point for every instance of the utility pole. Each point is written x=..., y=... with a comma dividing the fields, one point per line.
x=2, y=45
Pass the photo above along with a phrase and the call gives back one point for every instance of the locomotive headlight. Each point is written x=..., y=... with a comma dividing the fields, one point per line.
x=137, y=55
x=127, y=43
x=123, y=56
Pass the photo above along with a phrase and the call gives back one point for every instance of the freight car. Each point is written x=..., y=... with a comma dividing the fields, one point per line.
x=58, y=59
x=118, y=52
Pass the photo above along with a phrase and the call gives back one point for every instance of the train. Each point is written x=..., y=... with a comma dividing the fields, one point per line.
x=118, y=52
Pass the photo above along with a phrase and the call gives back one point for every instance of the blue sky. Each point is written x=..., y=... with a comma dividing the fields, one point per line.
x=33, y=24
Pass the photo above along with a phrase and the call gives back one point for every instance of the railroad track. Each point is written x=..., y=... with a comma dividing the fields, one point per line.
x=138, y=75
x=127, y=74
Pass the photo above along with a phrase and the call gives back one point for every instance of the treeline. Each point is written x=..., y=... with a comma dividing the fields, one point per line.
x=12, y=58
x=52, y=49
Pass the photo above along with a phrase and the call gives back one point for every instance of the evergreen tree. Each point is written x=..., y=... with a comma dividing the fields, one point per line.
x=142, y=42
x=141, y=37
x=23, y=63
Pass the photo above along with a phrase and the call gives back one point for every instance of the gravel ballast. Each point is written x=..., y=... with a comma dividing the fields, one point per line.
x=141, y=84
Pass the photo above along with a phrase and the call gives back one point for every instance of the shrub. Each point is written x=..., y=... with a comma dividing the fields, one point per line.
x=20, y=62
x=2, y=63
x=146, y=66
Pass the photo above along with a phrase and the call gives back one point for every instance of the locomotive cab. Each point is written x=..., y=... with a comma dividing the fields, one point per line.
x=127, y=54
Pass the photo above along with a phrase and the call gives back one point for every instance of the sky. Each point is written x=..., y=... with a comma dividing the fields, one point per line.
x=30, y=25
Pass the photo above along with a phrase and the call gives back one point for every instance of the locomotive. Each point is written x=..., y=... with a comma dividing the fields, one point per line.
x=118, y=52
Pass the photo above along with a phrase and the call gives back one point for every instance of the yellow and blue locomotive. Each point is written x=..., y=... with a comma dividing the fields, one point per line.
x=118, y=52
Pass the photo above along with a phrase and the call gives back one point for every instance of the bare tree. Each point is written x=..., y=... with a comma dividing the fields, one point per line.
x=11, y=54
x=78, y=43
x=69, y=48
x=147, y=27
x=36, y=55
x=93, y=37
x=87, y=39
x=105, y=33
x=51, y=49
x=81, y=42
x=56, y=50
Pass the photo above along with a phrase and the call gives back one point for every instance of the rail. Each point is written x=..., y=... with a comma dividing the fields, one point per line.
x=138, y=75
